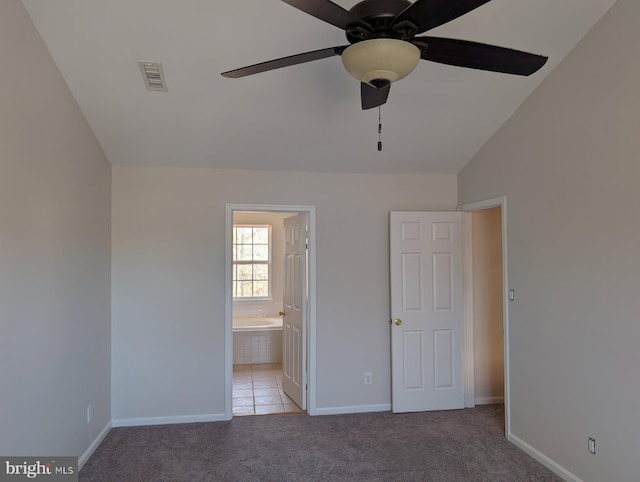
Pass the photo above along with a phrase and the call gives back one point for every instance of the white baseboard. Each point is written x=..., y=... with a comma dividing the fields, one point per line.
x=138, y=421
x=543, y=459
x=94, y=445
x=489, y=400
x=384, y=407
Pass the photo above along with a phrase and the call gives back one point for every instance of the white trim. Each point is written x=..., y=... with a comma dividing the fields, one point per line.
x=502, y=203
x=468, y=356
x=543, y=459
x=94, y=445
x=383, y=407
x=140, y=421
x=311, y=338
x=486, y=204
x=488, y=400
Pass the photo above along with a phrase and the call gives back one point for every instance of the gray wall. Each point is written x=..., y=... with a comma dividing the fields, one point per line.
x=55, y=189
x=168, y=280
x=569, y=162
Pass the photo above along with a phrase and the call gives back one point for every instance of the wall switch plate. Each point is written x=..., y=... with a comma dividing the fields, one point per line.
x=592, y=445
x=512, y=295
x=368, y=378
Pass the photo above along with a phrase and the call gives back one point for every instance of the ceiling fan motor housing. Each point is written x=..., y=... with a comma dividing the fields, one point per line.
x=379, y=53
x=378, y=15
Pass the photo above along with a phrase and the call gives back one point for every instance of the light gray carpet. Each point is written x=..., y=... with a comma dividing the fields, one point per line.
x=460, y=445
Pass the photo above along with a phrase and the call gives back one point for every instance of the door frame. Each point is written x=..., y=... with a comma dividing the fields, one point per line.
x=310, y=211
x=468, y=362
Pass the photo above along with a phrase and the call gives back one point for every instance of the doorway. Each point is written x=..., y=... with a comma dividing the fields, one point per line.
x=254, y=352
x=486, y=302
x=433, y=308
x=488, y=342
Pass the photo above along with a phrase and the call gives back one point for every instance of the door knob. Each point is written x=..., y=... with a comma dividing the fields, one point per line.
x=398, y=321
x=282, y=313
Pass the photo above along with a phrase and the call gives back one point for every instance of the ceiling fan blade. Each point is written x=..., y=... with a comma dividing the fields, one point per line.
x=372, y=97
x=474, y=55
x=284, y=62
x=329, y=12
x=428, y=14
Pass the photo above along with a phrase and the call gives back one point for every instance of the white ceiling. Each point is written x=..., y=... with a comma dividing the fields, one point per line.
x=304, y=117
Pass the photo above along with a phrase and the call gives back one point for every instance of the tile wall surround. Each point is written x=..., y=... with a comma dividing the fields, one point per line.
x=256, y=309
x=251, y=347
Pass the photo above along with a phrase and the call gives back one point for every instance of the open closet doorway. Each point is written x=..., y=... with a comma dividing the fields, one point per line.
x=270, y=315
x=486, y=334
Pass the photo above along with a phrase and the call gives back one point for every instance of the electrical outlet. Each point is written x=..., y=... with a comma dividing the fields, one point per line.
x=592, y=445
x=89, y=413
x=368, y=378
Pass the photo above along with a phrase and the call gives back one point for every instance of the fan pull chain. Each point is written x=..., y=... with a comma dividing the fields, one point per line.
x=379, y=129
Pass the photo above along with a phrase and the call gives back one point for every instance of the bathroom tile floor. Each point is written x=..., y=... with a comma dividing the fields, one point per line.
x=257, y=390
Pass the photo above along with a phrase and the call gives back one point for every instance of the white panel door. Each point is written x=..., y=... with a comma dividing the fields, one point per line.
x=427, y=311
x=294, y=324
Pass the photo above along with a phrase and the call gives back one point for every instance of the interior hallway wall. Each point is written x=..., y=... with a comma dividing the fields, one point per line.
x=55, y=205
x=569, y=163
x=487, y=305
x=168, y=280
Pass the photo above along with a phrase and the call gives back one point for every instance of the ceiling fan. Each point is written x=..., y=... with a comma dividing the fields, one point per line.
x=384, y=47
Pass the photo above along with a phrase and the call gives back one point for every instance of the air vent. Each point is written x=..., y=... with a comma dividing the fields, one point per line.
x=153, y=75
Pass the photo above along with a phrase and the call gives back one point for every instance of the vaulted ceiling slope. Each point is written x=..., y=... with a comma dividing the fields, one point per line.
x=305, y=117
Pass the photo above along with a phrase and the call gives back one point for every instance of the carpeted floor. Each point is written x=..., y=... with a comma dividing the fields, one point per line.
x=459, y=445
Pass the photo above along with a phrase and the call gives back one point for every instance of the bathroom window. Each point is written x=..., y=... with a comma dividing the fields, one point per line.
x=251, y=262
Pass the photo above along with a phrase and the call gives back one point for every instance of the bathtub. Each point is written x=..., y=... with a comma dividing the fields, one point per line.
x=257, y=324
x=257, y=340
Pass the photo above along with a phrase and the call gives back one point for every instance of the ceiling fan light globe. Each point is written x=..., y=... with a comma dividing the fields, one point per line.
x=381, y=58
